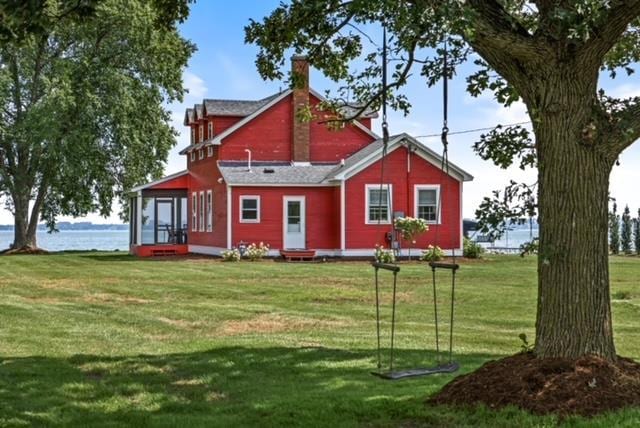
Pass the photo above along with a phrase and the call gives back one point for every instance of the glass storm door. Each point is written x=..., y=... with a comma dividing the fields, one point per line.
x=294, y=223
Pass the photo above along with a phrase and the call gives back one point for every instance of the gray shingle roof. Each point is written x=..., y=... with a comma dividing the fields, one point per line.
x=189, y=116
x=234, y=107
x=236, y=173
x=198, y=111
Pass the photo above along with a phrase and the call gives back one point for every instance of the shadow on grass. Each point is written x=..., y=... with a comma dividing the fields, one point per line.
x=233, y=386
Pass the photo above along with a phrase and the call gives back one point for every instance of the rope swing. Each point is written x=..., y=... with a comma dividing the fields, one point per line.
x=450, y=366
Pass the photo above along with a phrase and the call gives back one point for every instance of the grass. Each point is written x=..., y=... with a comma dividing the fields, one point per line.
x=104, y=339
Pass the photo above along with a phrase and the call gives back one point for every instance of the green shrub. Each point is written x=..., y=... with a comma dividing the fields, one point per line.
x=383, y=256
x=471, y=250
x=432, y=254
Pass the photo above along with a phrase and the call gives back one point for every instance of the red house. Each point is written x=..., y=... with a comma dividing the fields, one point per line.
x=255, y=173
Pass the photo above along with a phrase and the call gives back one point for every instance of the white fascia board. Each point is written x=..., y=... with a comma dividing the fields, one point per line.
x=218, y=138
x=434, y=158
x=356, y=122
x=327, y=184
x=365, y=162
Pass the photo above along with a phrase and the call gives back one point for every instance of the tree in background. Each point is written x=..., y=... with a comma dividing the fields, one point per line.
x=614, y=230
x=82, y=114
x=636, y=233
x=548, y=54
x=626, y=235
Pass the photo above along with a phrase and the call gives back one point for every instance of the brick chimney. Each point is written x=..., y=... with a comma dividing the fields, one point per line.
x=301, y=130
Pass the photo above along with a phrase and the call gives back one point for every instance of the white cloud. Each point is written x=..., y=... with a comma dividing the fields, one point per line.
x=195, y=87
x=626, y=90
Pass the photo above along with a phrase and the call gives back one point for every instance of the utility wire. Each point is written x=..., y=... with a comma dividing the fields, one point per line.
x=470, y=131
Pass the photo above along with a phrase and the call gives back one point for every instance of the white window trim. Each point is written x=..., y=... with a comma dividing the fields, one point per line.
x=435, y=187
x=246, y=197
x=209, y=151
x=201, y=133
x=201, y=212
x=194, y=212
x=193, y=156
x=193, y=135
x=385, y=186
x=209, y=209
x=210, y=130
x=200, y=154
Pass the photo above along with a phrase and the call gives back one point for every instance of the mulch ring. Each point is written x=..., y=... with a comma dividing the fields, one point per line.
x=587, y=386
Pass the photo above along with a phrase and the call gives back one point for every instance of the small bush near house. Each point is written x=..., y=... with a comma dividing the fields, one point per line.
x=432, y=254
x=471, y=250
x=383, y=256
x=256, y=252
x=232, y=255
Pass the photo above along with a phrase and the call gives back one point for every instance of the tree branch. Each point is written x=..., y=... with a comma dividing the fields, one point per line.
x=609, y=31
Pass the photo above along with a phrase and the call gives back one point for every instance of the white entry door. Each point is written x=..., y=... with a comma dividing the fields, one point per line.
x=294, y=223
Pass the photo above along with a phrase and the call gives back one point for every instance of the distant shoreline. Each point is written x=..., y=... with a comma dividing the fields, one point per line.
x=86, y=226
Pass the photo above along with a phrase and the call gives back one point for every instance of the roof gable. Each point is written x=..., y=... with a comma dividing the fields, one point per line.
x=373, y=153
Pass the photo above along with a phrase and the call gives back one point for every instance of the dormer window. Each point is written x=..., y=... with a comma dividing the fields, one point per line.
x=200, y=154
x=201, y=132
x=193, y=135
x=193, y=156
x=210, y=130
x=209, y=151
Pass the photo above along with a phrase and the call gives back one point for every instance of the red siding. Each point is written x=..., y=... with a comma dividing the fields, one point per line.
x=331, y=146
x=222, y=123
x=360, y=235
x=181, y=182
x=322, y=216
x=268, y=136
x=204, y=176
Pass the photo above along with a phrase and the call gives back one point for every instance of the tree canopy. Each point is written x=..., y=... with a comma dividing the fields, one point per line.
x=83, y=114
x=547, y=53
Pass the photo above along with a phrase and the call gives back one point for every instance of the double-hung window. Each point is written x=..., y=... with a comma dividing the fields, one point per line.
x=201, y=212
x=193, y=135
x=210, y=130
x=249, y=209
x=378, y=203
x=201, y=154
x=427, y=199
x=201, y=133
x=209, y=151
x=193, y=155
x=194, y=211
x=209, y=210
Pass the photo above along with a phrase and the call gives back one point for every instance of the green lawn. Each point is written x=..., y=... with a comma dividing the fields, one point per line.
x=109, y=340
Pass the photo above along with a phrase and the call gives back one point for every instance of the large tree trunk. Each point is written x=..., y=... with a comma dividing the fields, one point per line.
x=24, y=227
x=574, y=312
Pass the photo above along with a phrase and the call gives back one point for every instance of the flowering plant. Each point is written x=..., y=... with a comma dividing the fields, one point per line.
x=232, y=255
x=383, y=256
x=432, y=254
x=256, y=252
x=410, y=227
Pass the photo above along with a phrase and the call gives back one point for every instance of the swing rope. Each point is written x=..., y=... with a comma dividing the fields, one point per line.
x=385, y=129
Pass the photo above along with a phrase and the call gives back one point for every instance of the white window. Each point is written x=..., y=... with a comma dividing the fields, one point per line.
x=201, y=133
x=427, y=200
x=201, y=212
x=193, y=135
x=209, y=151
x=378, y=201
x=201, y=154
x=193, y=156
x=249, y=209
x=194, y=211
x=209, y=210
x=210, y=130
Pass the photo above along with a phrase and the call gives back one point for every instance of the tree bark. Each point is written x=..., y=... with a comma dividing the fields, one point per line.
x=574, y=312
x=24, y=232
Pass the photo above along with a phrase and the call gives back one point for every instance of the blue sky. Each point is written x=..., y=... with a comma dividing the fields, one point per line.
x=223, y=67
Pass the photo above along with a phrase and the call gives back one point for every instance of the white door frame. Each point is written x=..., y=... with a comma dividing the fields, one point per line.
x=303, y=222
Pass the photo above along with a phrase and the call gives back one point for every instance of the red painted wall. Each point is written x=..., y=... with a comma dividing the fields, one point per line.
x=222, y=123
x=181, y=182
x=204, y=176
x=360, y=235
x=322, y=216
x=268, y=136
x=331, y=146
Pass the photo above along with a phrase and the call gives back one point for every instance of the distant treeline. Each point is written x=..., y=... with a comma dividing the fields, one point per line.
x=82, y=225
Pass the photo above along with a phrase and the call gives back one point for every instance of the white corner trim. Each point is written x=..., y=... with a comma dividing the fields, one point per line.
x=139, y=218
x=343, y=216
x=229, y=216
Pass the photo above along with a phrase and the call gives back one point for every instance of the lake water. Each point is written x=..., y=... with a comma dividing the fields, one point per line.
x=515, y=238
x=106, y=240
